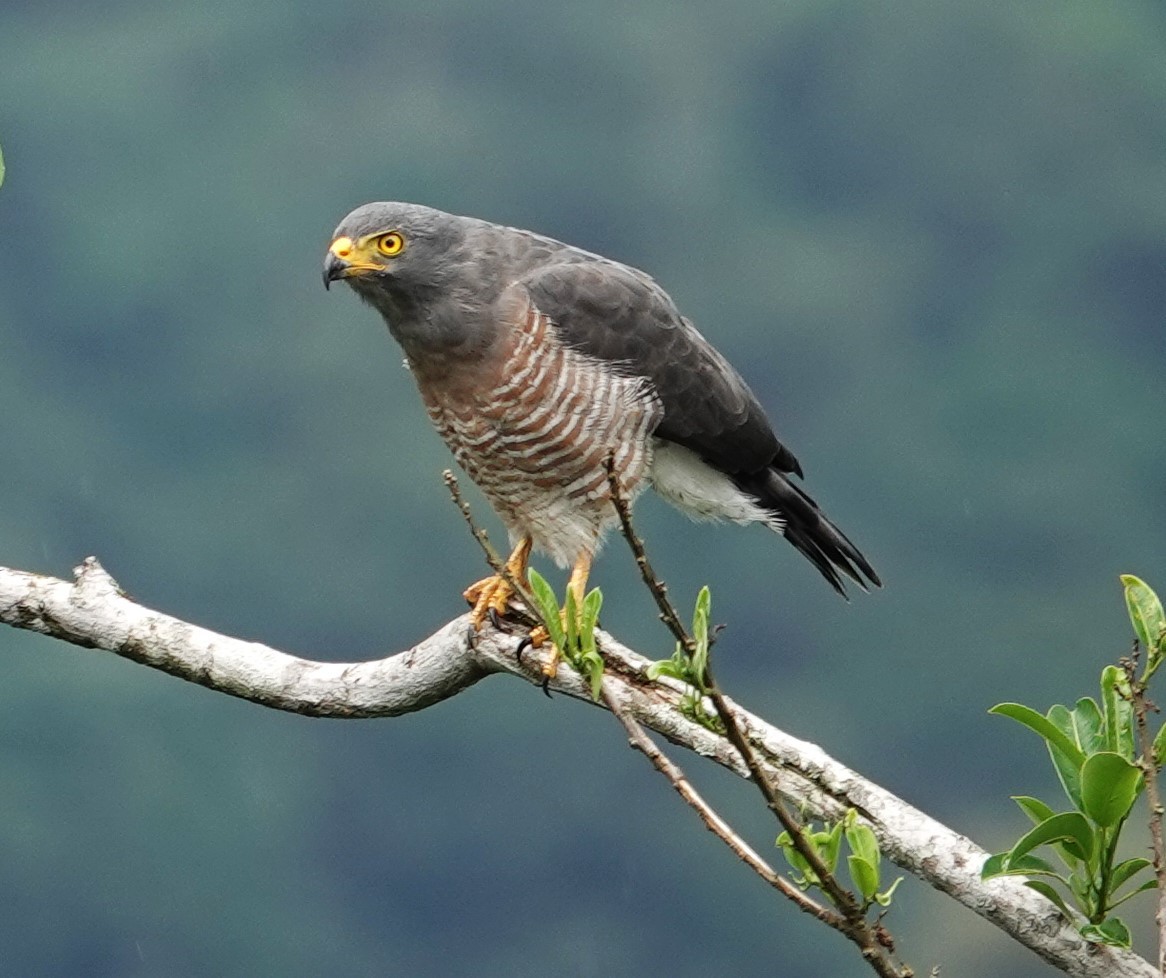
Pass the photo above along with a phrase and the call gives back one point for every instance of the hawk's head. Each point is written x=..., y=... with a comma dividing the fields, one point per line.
x=393, y=253
x=428, y=273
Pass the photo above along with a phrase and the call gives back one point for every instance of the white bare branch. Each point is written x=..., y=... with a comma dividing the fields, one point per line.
x=93, y=612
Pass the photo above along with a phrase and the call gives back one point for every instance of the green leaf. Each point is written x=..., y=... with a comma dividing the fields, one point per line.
x=591, y=605
x=1067, y=767
x=548, y=606
x=1123, y=871
x=993, y=866
x=829, y=846
x=1047, y=890
x=795, y=859
x=1088, y=726
x=1148, y=885
x=1111, y=931
x=826, y=842
x=572, y=616
x=1034, y=808
x=862, y=842
x=1066, y=755
x=1043, y=726
x=1146, y=613
x=700, y=617
x=1160, y=746
x=665, y=667
x=700, y=634
x=593, y=665
x=1080, y=886
x=1118, y=713
x=1109, y=787
x=1037, y=811
x=1025, y=865
x=1070, y=828
x=884, y=899
x=865, y=876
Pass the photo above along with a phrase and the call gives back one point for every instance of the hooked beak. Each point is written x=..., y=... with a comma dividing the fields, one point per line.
x=345, y=260
x=334, y=268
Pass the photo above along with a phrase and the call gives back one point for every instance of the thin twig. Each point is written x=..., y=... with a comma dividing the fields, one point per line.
x=713, y=822
x=671, y=618
x=480, y=535
x=841, y=897
x=497, y=564
x=1149, y=765
x=852, y=920
x=657, y=587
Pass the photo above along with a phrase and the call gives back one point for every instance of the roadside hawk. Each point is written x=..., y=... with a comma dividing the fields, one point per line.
x=539, y=362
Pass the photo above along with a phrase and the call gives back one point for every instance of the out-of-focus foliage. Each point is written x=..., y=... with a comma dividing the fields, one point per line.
x=933, y=237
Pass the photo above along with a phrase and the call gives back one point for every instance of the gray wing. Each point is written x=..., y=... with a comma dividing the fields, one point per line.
x=617, y=314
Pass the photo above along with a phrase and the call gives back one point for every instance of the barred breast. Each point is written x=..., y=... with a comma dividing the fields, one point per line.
x=533, y=425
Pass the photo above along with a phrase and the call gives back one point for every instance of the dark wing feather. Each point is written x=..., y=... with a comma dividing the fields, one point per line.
x=808, y=529
x=615, y=313
x=619, y=314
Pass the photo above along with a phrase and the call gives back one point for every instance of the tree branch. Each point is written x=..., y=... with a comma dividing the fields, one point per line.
x=640, y=741
x=93, y=612
x=873, y=942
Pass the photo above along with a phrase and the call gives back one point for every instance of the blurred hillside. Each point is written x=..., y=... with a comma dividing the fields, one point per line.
x=931, y=235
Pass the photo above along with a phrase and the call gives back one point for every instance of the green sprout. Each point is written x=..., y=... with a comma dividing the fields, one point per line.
x=864, y=860
x=571, y=629
x=692, y=669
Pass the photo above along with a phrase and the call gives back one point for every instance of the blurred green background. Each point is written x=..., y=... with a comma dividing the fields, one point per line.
x=932, y=235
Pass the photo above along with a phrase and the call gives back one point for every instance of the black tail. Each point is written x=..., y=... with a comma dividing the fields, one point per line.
x=808, y=529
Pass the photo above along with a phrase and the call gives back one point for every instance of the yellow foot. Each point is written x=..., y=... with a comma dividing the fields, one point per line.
x=491, y=594
x=539, y=636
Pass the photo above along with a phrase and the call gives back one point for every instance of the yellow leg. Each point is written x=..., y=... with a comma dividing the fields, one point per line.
x=577, y=586
x=494, y=593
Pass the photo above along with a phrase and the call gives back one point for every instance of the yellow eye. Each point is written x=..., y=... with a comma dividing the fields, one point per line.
x=391, y=244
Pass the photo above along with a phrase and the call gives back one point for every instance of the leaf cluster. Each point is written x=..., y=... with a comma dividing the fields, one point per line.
x=1093, y=750
x=864, y=860
x=690, y=666
x=572, y=629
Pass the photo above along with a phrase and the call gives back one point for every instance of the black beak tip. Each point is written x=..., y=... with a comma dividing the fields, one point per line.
x=334, y=269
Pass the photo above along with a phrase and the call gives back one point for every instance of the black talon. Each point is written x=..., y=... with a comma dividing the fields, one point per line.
x=526, y=643
x=492, y=614
x=546, y=684
x=471, y=636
